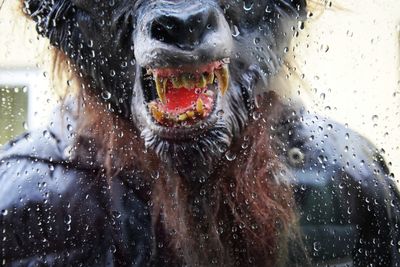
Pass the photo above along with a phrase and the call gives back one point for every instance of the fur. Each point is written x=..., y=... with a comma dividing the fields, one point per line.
x=218, y=198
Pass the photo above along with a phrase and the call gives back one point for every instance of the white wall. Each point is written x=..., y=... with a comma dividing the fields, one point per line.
x=21, y=63
x=352, y=62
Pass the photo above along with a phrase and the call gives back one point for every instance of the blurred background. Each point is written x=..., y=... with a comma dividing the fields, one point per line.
x=25, y=96
x=350, y=57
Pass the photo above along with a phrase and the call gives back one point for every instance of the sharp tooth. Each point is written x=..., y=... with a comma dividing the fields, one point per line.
x=199, y=105
x=188, y=81
x=182, y=117
x=185, y=80
x=176, y=82
x=202, y=81
x=161, y=87
x=210, y=77
x=223, y=78
x=190, y=113
x=158, y=115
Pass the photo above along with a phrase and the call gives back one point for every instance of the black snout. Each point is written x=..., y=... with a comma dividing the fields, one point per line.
x=173, y=33
x=186, y=29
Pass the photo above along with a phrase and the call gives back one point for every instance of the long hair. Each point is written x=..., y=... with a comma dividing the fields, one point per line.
x=243, y=215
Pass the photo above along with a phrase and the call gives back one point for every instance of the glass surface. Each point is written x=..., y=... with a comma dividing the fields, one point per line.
x=200, y=133
x=13, y=110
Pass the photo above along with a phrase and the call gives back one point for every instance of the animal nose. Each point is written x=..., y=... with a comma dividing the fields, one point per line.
x=185, y=28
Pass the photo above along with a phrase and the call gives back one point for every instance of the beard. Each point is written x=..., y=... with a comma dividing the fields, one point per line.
x=195, y=158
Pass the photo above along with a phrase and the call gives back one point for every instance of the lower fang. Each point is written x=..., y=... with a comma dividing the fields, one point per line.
x=158, y=115
x=183, y=117
x=190, y=114
x=199, y=105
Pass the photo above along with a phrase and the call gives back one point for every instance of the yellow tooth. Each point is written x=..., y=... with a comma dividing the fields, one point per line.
x=223, y=78
x=202, y=81
x=176, y=82
x=158, y=115
x=210, y=78
x=161, y=87
x=188, y=81
x=199, y=105
x=182, y=117
x=190, y=114
x=164, y=86
x=185, y=81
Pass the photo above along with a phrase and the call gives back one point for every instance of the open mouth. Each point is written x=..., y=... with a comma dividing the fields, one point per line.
x=184, y=96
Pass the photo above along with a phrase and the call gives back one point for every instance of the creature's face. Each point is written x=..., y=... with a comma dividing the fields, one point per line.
x=187, y=72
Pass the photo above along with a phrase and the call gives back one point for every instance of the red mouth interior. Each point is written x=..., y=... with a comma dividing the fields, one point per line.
x=187, y=95
x=180, y=100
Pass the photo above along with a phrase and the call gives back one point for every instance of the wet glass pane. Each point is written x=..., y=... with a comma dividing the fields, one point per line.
x=13, y=110
x=200, y=133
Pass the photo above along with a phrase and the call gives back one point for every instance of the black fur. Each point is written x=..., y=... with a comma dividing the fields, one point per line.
x=100, y=39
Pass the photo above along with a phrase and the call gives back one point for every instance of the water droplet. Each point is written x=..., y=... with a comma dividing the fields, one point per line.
x=106, y=95
x=300, y=25
x=349, y=211
x=230, y=155
x=316, y=246
x=116, y=214
x=236, y=31
x=68, y=219
x=155, y=175
x=46, y=134
x=247, y=6
x=256, y=115
x=222, y=148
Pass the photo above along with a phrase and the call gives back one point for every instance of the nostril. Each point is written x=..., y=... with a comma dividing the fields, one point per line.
x=186, y=29
x=165, y=29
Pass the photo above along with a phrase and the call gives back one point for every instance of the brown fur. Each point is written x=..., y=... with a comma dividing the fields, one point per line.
x=241, y=215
